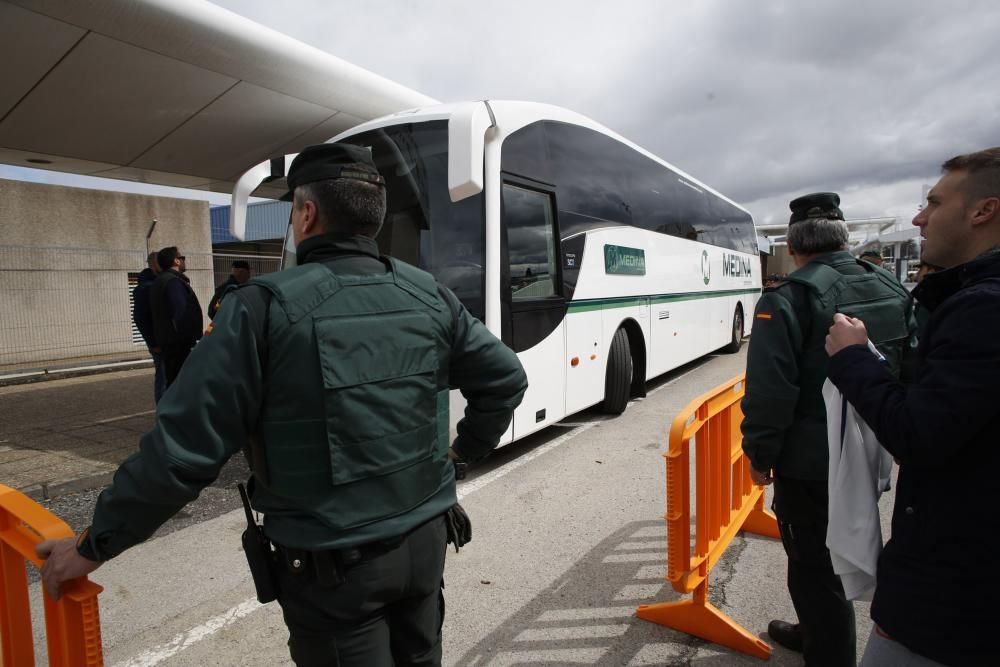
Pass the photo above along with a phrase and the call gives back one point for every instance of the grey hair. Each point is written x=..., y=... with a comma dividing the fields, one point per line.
x=815, y=235
x=346, y=205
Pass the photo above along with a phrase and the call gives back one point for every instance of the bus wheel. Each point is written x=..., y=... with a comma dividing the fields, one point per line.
x=619, y=377
x=734, y=343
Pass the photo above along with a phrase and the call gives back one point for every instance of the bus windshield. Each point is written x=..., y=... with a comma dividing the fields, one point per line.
x=422, y=225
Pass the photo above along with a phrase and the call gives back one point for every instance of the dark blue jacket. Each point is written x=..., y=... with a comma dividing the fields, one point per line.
x=937, y=590
x=142, y=310
x=176, y=313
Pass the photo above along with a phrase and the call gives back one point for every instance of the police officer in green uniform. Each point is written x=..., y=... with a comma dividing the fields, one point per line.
x=784, y=426
x=334, y=376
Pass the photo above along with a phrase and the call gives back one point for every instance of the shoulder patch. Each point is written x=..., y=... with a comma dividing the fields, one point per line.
x=763, y=316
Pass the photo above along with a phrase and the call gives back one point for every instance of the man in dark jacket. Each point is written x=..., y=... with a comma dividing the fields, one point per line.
x=784, y=427
x=936, y=592
x=239, y=276
x=337, y=374
x=177, y=322
x=142, y=316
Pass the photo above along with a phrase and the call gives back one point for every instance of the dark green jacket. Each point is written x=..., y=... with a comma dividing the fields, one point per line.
x=214, y=406
x=784, y=425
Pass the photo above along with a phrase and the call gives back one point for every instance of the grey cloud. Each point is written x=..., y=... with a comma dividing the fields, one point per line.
x=762, y=100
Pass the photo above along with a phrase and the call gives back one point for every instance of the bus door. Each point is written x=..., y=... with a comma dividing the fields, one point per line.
x=532, y=301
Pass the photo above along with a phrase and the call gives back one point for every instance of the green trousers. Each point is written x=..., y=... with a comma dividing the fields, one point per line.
x=387, y=610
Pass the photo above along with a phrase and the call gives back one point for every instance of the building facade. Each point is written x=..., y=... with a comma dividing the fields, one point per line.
x=68, y=260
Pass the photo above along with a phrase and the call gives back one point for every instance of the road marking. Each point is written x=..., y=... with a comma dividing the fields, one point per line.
x=651, y=572
x=635, y=557
x=638, y=592
x=667, y=384
x=585, y=614
x=183, y=640
x=572, y=632
x=660, y=544
x=557, y=656
x=651, y=531
x=124, y=417
x=507, y=468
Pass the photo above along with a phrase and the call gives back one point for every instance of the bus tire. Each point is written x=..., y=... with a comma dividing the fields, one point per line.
x=737, y=332
x=619, y=375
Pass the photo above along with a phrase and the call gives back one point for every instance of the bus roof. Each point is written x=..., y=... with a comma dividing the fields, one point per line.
x=267, y=179
x=512, y=115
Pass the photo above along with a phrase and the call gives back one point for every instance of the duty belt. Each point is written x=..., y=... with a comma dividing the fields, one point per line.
x=329, y=565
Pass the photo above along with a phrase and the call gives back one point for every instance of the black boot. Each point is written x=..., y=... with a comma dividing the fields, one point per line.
x=786, y=634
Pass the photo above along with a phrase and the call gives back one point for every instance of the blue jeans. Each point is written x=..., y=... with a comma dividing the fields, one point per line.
x=159, y=380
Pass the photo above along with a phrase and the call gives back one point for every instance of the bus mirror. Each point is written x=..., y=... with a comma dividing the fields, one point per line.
x=466, y=144
x=245, y=186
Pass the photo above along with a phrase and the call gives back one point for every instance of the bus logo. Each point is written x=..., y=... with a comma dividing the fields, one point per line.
x=706, y=267
x=736, y=266
x=624, y=261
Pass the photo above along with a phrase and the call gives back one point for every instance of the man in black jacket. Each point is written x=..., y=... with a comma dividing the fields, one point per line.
x=142, y=316
x=177, y=322
x=936, y=593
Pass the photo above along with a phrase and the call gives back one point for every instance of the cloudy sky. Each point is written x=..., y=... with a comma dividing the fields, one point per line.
x=763, y=100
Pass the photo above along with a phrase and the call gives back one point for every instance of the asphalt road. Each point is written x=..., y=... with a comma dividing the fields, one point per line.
x=74, y=432
x=568, y=539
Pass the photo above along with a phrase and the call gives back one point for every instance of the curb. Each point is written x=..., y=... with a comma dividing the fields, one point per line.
x=41, y=492
x=44, y=375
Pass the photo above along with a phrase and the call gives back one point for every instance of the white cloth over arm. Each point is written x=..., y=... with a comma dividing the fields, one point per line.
x=859, y=473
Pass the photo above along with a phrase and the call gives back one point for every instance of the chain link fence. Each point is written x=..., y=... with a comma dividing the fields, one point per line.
x=73, y=306
x=222, y=265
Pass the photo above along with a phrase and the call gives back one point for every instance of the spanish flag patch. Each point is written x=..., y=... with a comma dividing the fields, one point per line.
x=211, y=325
x=763, y=316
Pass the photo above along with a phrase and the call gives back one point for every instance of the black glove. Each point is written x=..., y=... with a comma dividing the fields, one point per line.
x=459, y=527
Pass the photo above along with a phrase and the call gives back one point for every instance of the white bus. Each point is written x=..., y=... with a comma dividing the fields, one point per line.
x=600, y=264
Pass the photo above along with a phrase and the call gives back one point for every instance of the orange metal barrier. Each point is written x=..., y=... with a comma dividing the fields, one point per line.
x=72, y=625
x=726, y=502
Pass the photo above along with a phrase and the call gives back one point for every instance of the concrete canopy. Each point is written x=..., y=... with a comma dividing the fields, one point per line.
x=169, y=92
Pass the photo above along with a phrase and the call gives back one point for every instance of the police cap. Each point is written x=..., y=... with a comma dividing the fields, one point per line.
x=817, y=205
x=871, y=253
x=324, y=162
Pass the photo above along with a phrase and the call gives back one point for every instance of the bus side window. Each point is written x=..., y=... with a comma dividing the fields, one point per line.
x=531, y=243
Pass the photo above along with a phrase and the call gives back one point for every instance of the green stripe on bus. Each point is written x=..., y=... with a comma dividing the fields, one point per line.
x=585, y=305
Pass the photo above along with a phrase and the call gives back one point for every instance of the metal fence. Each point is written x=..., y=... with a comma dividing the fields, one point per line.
x=64, y=306
x=222, y=265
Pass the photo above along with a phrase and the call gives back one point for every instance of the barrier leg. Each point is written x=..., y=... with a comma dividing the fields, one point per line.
x=701, y=618
x=73, y=627
x=761, y=522
x=15, y=610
